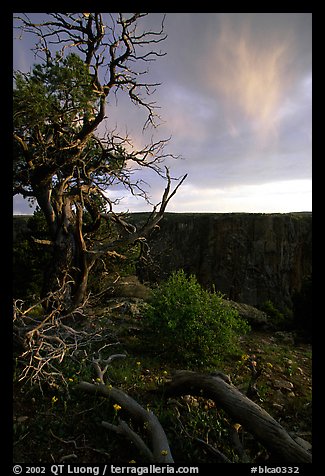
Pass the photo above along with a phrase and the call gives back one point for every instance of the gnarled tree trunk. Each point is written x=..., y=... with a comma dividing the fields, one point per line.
x=70, y=264
x=62, y=271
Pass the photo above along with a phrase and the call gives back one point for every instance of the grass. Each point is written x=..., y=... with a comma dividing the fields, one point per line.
x=64, y=424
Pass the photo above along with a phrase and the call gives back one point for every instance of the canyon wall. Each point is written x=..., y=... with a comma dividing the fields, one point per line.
x=249, y=257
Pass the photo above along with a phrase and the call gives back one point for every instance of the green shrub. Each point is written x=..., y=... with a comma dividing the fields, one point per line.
x=191, y=324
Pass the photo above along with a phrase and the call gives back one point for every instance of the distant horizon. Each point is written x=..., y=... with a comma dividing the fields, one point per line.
x=194, y=213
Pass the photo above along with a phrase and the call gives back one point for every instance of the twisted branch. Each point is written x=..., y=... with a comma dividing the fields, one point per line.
x=46, y=343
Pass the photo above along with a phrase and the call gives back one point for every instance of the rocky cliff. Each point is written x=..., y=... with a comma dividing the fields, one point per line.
x=250, y=258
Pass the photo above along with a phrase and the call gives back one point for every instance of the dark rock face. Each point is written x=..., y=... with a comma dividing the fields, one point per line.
x=250, y=258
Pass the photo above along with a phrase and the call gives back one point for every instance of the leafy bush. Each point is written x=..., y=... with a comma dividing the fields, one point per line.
x=190, y=323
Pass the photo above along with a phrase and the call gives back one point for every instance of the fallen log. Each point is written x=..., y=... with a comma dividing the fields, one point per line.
x=160, y=452
x=243, y=410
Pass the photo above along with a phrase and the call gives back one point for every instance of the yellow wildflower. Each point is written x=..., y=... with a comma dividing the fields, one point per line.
x=269, y=365
x=117, y=407
x=54, y=399
x=164, y=452
x=244, y=357
x=138, y=363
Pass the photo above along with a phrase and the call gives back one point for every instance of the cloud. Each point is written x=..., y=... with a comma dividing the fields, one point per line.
x=239, y=100
x=295, y=115
x=249, y=77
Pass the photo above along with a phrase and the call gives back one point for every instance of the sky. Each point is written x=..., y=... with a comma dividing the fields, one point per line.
x=236, y=99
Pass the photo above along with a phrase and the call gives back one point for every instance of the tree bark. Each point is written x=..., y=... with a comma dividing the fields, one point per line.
x=59, y=271
x=70, y=265
x=256, y=420
x=160, y=447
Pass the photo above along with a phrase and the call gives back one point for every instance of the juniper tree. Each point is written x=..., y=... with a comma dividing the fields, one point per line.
x=61, y=159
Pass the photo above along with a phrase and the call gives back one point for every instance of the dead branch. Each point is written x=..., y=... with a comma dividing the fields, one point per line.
x=42, y=242
x=220, y=456
x=123, y=429
x=45, y=342
x=84, y=447
x=113, y=357
x=160, y=446
x=131, y=235
x=101, y=372
x=254, y=418
x=239, y=448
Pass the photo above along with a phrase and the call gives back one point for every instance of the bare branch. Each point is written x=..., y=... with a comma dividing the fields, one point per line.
x=133, y=235
x=220, y=456
x=42, y=242
x=123, y=429
x=46, y=343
